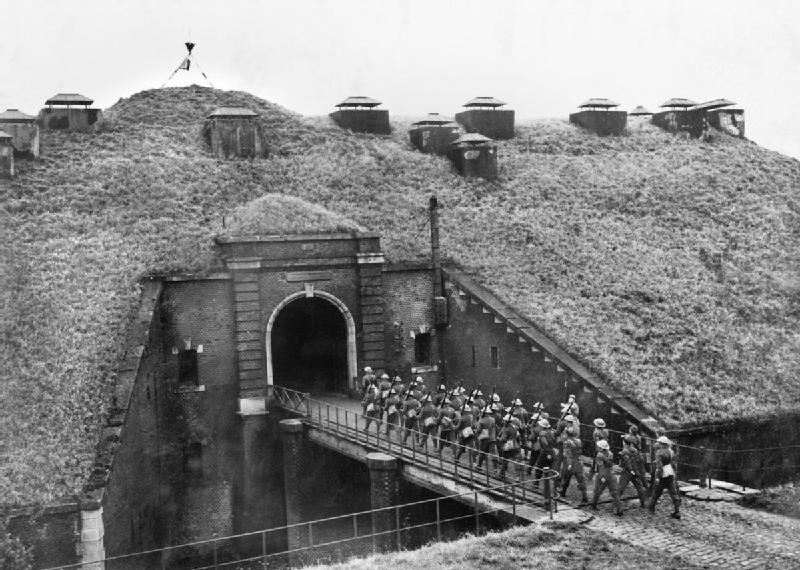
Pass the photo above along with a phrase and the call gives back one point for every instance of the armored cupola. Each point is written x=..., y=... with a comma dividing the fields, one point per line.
x=359, y=114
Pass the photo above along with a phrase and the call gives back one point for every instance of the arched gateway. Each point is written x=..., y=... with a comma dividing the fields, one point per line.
x=311, y=343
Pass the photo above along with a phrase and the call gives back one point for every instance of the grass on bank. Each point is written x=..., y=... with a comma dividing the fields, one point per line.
x=554, y=547
x=670, y=267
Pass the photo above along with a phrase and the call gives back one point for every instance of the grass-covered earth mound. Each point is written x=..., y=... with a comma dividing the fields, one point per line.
x=668, y=266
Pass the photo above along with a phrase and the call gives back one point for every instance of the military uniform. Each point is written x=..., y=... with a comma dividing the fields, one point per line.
x=487, y=438
x=465, y=430
x=665, y=478
x=605, y=477
x=631, y=470
x=600, y=432
x=571, y=465
x=447, y=419
x=411, y=407
x=372, y=406
x=391, y=406
x=427, y=420
x=544, y=460
x=509, y=444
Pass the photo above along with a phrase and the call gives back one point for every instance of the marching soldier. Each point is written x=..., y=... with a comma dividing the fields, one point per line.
x=665, y=477
x=392, y=407
x=427, y=419
x=400, y=386
x=417, y=389
x=465, y=430
x=570, y=407
x=446, y=420
x=477, y=400
x=486, y=435
x=366, y=380
x=605, y=476
x=544, y=460
x=600, y=432
x=440, y=396
x=372, y=406
x=384, y=385
x=571, y=463
x=631, y=469
x=410, y=411
x=509, y=443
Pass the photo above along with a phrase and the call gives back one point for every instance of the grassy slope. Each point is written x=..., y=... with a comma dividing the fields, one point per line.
x=669, y=266
x=560, y=546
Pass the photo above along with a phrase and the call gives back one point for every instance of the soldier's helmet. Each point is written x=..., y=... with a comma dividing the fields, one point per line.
x=393, y=391
x=603, y=444
x=600, y=422
x=664, y=440
x=544, y=423
x=569, y=418
x=517, y=402
x=495, y=397
x=420, y=380
x=634, y=429
x=384, y=376
x=368, y=369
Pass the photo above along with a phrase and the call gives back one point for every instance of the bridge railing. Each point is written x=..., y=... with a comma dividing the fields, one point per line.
x=372, y=432
x=328, y=540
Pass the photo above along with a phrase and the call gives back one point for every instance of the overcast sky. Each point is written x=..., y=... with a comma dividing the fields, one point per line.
x=542, y=57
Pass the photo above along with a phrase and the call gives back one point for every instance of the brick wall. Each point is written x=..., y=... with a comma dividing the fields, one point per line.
x=53, y=534
x=408, y=310
x=204, y=440
x=134, y=506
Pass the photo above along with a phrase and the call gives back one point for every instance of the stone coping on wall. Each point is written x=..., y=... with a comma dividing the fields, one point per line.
x=514, y=322
x=136, y=342
x=294, y=237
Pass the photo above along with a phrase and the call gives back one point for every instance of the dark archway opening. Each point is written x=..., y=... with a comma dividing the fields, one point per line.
x=309, y=346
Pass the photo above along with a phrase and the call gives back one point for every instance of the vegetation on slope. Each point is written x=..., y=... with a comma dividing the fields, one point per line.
x=554, y=547
x=668, y=266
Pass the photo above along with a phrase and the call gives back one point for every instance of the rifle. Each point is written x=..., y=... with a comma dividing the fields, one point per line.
x=509, y=413
x=566, y=411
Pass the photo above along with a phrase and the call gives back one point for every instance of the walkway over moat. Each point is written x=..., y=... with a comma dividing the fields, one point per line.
x=336, y=422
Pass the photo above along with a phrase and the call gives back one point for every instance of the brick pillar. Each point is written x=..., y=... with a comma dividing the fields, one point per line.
x=92, y=532
x=383, y=493
x=370, y=276
x=294, y=463
x=252, y=515
x=249, y=338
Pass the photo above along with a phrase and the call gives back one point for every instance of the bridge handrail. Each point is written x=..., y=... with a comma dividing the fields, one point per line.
x=283, y=395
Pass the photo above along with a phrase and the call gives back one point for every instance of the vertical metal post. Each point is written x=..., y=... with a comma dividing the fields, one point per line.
x=549, y=493
x=477, y=517
x=264, y=547
x=438, y=522
x=355, y=527
x=346, y=422
x=328, y=414
x=471, y=473
x=514, y=500
x=319, y=415
x=310, y=534
x=215, y=553
x=307, y=398
x=397, y=526
x=523, y=481
x=337, y=419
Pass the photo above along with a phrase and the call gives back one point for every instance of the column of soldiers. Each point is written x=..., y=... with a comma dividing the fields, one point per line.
x=488, y=432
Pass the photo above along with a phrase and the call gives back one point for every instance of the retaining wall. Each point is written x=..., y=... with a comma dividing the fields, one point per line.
x=69, y=119
x=374, y=121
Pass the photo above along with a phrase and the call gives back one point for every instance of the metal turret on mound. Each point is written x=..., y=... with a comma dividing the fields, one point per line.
x=684, y=115
x=721, y=115
x=6, y=156
x=23, y=130
x=474, y=155
x=434, y=134
x=484, y=116
x=69, y=112
x=676, y=116
x=597, y=116
x=234, y=132
x=639, y=116
x=359, y=115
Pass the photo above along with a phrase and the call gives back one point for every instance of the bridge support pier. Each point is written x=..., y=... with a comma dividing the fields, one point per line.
x=383, y=493
x=294, y=459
